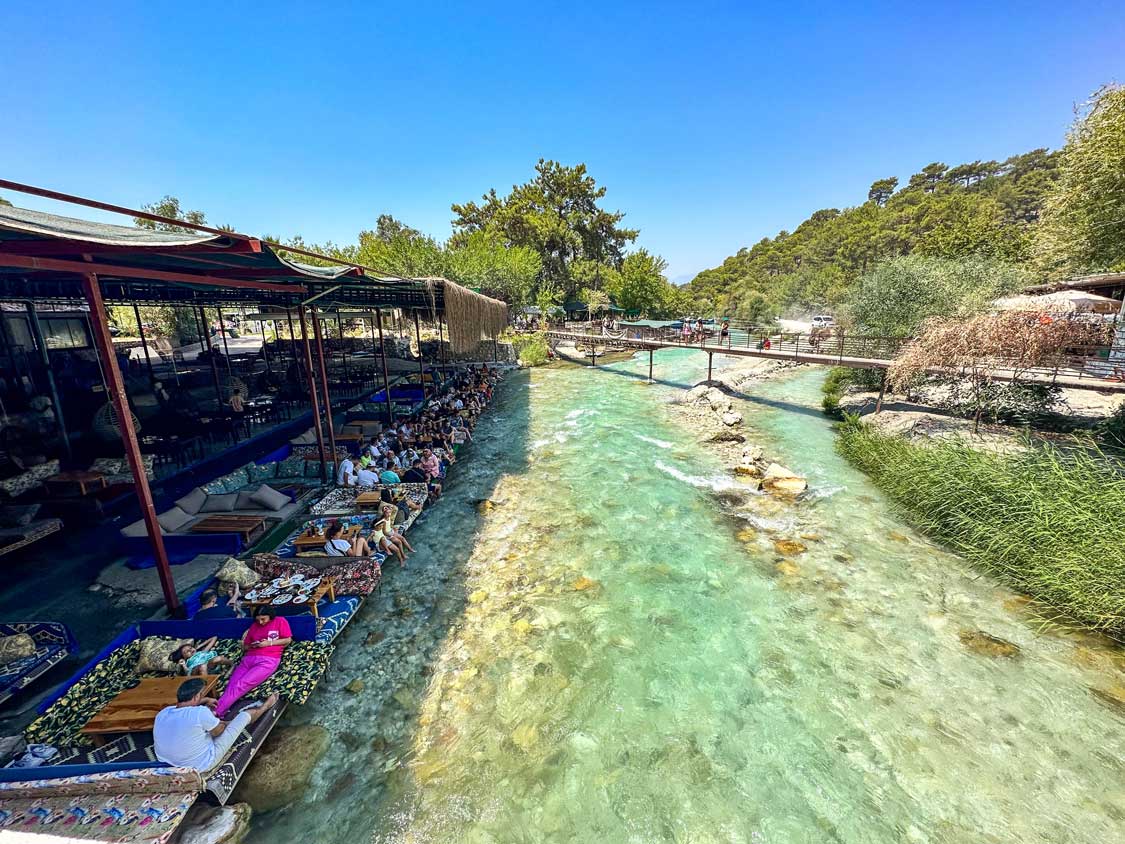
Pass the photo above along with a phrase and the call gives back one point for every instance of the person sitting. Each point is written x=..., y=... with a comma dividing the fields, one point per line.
x=345, y=473
x=367, y=477
x=384, y=537
x=336, y=545
x=209, y=606
x=389, y=476
x=189, y=735
x=237, y=405
x=264, y=643
x=201, y=658
x=415, y=474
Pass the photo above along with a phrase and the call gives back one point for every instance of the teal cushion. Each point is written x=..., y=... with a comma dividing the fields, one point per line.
x=261, y=473
x=291, y=467
x=215, y=487
x=236, y=480
x=312, y=469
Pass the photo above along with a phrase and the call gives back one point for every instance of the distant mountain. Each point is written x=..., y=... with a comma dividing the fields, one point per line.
x=982, y=208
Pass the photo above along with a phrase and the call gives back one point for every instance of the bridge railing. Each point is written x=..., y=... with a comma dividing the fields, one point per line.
x=1095, y=362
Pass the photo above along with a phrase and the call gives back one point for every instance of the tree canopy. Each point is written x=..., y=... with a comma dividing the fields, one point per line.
x=1083, y=227
x=169, y=206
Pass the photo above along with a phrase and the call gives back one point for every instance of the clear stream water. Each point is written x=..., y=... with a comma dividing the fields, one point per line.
x=605, y=653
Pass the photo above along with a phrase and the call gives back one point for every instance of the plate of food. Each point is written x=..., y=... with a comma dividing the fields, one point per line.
x=312, y=583
x=301, y=599
x=252, y=595
x=281, y=599
x=277, y=581
x=296, y=578
x=268, y=591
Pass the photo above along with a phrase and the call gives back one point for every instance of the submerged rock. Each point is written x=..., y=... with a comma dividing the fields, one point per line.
x=216, y=824
x=355, y=686
x=280, y=772
x=748, y=470
x=779, y=479
x=525, y=737
x=726, y=436
x=1114, y=696
x=731, y=418
x=584, y=583
x=747, y=534
x=986, y=644
x=787, y=568
x=789, y=547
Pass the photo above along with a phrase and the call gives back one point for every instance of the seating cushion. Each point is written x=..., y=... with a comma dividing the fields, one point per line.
x=235, y=570
x=291, y=467
x=13, y=648
x=193, y=501
x=220, y=503
x=269, y=498
x=262, y=472
x=155, y=652
x=18, y=515
x=174, y=519
x=245, y=500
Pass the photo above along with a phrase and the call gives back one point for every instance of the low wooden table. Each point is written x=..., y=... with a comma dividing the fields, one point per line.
x=312, y=543
x=248, y=527
x=85, y=481
x=368, y=502
x=327, y=586
x=134, y=710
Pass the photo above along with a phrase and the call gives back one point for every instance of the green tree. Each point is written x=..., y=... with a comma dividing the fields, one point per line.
x=1083, y=222
x=558, y=215
x=169, y=206
x=882, y=190
x=3, y=201
x=640, y=285
x=897, y=296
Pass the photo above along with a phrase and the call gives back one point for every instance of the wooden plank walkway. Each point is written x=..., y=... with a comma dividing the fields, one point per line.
x=802, y=349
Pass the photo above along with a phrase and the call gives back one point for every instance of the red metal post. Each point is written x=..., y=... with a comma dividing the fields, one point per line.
x=386, y=380
x=104, y=344
x=312, y=392
x=421, y=369
x=324, y=388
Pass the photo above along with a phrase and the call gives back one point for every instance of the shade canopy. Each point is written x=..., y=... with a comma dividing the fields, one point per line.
x=1061, y=301
x=43, y=257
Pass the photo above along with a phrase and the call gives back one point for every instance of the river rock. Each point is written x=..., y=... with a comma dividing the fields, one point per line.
x=781, y=480
x=525, y=737
x=355, y=686
x=698, y=392
x=216, y=824
x=986, y=644
x=748, y=470
x=280, y=773
x=726, y=436
x=1114, y=696
x=787, y=568
x=374, y=638
x=789, y=547
x=731, y=418
x=752, y=454
x=584, y=583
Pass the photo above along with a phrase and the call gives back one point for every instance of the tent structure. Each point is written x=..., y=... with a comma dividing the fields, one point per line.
x=53, y=261
x=1061, y=301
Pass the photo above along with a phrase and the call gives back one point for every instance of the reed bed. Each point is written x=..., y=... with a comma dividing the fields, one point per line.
x=1049, y=522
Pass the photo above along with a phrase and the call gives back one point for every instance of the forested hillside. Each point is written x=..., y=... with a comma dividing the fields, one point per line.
x=984, y=208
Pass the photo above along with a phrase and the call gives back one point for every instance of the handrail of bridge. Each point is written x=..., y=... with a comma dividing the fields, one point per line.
x=1101, y=366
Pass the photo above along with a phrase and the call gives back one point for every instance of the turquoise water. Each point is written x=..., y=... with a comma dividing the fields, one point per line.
x=611, y=649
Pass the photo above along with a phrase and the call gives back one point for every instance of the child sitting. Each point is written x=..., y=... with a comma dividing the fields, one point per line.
x=201, y=659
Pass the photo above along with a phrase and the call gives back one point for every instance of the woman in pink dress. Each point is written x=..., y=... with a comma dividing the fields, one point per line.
x=263, y=644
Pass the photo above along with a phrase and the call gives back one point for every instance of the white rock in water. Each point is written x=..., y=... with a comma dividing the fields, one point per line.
x=752, y=454
x=696, y=393
x=732, y=418
x=778, y=478
x=222, y=825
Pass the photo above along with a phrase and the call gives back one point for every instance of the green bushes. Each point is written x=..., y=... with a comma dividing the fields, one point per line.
x=1048, y=522
x=531, y=348
x=839, y=379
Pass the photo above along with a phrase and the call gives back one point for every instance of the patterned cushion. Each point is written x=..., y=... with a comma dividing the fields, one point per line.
x=312, y=469
x=17, y=647
x=235, y=570
x=235, y=480
x=291, y=467
x=215, y=487
x=264, y=472
x=154, y=654
x=354, y=577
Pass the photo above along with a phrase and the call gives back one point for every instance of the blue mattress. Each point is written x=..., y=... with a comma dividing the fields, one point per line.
x=53, y=643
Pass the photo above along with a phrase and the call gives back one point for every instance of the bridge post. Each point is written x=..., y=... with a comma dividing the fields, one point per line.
x=709, y=357
x=650, y=366
x=882, y=390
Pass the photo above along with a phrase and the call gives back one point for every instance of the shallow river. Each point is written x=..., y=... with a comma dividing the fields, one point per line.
x=600, y=653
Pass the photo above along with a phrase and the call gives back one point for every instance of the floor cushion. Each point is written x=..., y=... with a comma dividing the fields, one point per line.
x=174, y=519
x=155, y=654
x=220, y=502
x=19, y=646
x=269, y=498
x=193, y=501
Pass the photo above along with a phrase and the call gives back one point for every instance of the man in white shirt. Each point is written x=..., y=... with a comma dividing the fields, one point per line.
x=188, y=735
x=345, y=475
x=367, y=477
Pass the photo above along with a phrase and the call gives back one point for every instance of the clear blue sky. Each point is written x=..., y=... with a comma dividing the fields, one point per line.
x=711, y=124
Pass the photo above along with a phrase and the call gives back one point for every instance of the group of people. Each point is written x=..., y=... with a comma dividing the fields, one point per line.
x=192, y=733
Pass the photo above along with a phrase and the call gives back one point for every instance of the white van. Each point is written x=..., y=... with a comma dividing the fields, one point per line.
x=823, y=321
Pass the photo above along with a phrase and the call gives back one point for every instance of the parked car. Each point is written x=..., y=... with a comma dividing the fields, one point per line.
x=823, y=321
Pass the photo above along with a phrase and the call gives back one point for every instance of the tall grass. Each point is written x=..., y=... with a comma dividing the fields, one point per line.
x=1049, y=522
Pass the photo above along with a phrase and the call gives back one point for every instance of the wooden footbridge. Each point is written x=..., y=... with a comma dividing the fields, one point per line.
x=1092, y=370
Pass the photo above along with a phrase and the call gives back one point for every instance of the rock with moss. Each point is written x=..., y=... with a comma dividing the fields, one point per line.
x=216, y=824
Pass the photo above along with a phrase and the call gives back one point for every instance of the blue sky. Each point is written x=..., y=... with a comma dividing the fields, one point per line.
x=711, y=124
